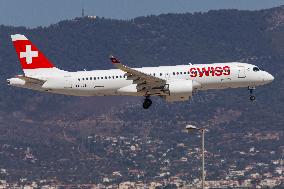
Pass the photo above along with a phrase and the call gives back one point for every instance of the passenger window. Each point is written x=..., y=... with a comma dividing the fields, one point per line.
x=78, y=79
x=109, y=77
x=91, y=78
x=86, y=78
x=184, y=72
x=94, y=78
x=116, y=76
x=83, y=79
x=174, y=73
x=161, y=74
x=180, y=73
x=120, y=76
x=102, y=77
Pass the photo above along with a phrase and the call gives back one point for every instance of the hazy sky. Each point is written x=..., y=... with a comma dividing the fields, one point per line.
x=33, y=13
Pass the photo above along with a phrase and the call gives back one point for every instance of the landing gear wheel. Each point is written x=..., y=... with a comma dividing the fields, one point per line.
x=252, y=98
x=147, y=103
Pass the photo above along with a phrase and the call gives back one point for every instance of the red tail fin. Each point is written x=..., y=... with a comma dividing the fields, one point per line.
x=28, y=54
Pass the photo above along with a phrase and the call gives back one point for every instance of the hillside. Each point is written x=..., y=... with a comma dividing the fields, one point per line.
x=83, y=140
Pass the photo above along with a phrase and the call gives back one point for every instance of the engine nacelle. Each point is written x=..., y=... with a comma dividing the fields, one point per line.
x=180, y=90
x=16, y=82
x=180, y=87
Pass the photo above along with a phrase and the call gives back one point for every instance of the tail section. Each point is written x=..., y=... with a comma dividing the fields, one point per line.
x=31, y=59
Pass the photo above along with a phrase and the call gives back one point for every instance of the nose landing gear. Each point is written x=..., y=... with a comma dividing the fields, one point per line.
x=147, y=102
x=252, y=97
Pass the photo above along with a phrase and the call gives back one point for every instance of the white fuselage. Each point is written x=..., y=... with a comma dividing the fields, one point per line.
x=114, y=81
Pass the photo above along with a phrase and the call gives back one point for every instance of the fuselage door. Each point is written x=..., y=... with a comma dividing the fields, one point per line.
x=67, y=82
x=241, y=72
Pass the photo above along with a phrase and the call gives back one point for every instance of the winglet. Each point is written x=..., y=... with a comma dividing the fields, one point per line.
x=114, y=60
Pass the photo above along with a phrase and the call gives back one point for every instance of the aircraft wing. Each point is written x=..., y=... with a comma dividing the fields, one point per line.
x=143, y=80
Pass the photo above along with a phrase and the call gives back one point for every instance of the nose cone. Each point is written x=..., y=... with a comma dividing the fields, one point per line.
x=268, y=77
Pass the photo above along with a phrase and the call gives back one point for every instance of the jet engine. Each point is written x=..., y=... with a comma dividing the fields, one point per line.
x=180, y=90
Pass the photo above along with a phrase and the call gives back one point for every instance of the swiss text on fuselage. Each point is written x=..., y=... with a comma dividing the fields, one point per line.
x=209, y=71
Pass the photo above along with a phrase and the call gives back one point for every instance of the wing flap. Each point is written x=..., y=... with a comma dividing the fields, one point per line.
x=143, y=80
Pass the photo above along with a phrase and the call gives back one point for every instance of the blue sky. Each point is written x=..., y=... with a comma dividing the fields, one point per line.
x=32, y=13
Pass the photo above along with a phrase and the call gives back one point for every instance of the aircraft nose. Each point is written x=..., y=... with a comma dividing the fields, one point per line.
x=269, y=77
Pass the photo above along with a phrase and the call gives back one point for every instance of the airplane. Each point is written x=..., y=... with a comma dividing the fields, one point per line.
x=172, y=83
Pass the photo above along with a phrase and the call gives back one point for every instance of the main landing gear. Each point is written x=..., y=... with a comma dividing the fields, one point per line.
x=147, y=102
x=252, y=97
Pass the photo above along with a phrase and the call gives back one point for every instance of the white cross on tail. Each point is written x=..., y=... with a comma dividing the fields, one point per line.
x=29, y=54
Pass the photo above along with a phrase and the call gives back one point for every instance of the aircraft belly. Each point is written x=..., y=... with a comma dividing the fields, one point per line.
x=94, y=89
x=31, y=87
x=222, y=83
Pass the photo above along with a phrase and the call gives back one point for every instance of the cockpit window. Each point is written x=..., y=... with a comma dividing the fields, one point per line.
x=256, y=69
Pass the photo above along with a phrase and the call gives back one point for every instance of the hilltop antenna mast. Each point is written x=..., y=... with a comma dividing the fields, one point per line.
x=83, y=12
